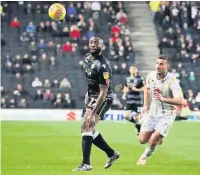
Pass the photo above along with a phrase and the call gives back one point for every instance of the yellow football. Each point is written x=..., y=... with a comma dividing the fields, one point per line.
x=57, y=11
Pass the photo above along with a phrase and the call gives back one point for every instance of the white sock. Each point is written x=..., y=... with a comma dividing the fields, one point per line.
x=148, y=151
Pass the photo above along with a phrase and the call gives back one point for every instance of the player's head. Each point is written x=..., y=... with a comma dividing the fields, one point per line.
x=133, y=70
x=162, y=64
x=96, y=45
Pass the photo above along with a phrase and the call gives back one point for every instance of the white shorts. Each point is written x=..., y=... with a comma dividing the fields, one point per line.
x=161, y=124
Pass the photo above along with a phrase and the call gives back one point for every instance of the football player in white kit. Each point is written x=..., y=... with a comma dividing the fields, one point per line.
x=162, y=94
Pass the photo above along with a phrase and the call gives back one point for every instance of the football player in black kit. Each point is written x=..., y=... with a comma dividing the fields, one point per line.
x=132, y=94
x=98, y=100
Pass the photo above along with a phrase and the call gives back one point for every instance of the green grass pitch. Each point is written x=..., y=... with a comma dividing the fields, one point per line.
x=53, y=148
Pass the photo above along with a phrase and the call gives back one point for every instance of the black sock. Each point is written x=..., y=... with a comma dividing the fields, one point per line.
x=138, y=128
x=132, y=120
x=101, y=144
x=86, y=148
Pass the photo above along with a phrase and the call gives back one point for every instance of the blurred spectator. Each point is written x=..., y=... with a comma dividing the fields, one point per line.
x=29, y=9
x=67, y=102
x=115, y=29
x=55, y=84
x=116, y=103
x=8, y=59
x=81, y=23
x=15, y=23
x=71, y=10
x=22, y=103
x=23, y=92
x=46, y=83
x=65, y=83
x=191, y=76
x=58, y=103
x=34, y=60
x=26, y=60
x=52, y=61
x=67, y=47
x=3, y=92
x=12, y=103
x=19, y=78
x=116, y=69
x=175, y=73
x=17, y=68
x=42, y=44
x=24, y=37
x=28, y=69
x=9, y=68
x=194, y=106
x=121, y=17
x=183, y=75
x=38, y=95
x=124, y=69
x=48, y=95
x=189, y=95
x=32, y=48
x=96, y=6
x=30, y=28
x=44, y=61
x=3, y=103
x=90, y=33
x=17, y=59
x=197, y=98
x=75, y=32
x=36, y=82
x=42, y=27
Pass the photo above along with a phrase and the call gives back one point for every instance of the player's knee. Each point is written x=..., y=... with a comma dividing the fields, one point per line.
x=155, y=139
x=142, y=140
x=127, y=116
x=84, y=128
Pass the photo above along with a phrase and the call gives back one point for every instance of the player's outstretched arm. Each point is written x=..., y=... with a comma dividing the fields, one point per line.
x=175, y=101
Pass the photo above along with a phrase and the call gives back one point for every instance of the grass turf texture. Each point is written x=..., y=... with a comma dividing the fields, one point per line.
x=53, y=148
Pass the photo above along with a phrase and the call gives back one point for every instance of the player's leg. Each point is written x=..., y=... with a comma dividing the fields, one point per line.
x=162, y=127
x=99, y=140
x=127, y=115
x=147, y=129
x=130, y=115
x=154, y=141
x=137, y=109
x=87, y=139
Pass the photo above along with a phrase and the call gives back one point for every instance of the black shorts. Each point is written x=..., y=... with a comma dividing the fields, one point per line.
x=102, y=110
x=134, y=107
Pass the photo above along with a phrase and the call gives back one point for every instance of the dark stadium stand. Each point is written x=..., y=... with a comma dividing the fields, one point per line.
x=34, y=47
x=37, y=50
x=178, y=29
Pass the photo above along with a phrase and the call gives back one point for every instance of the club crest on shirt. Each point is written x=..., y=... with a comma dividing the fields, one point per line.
x=106, y=75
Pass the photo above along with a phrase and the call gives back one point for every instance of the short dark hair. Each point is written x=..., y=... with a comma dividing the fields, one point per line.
x=98, y=36
x=164, y=57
